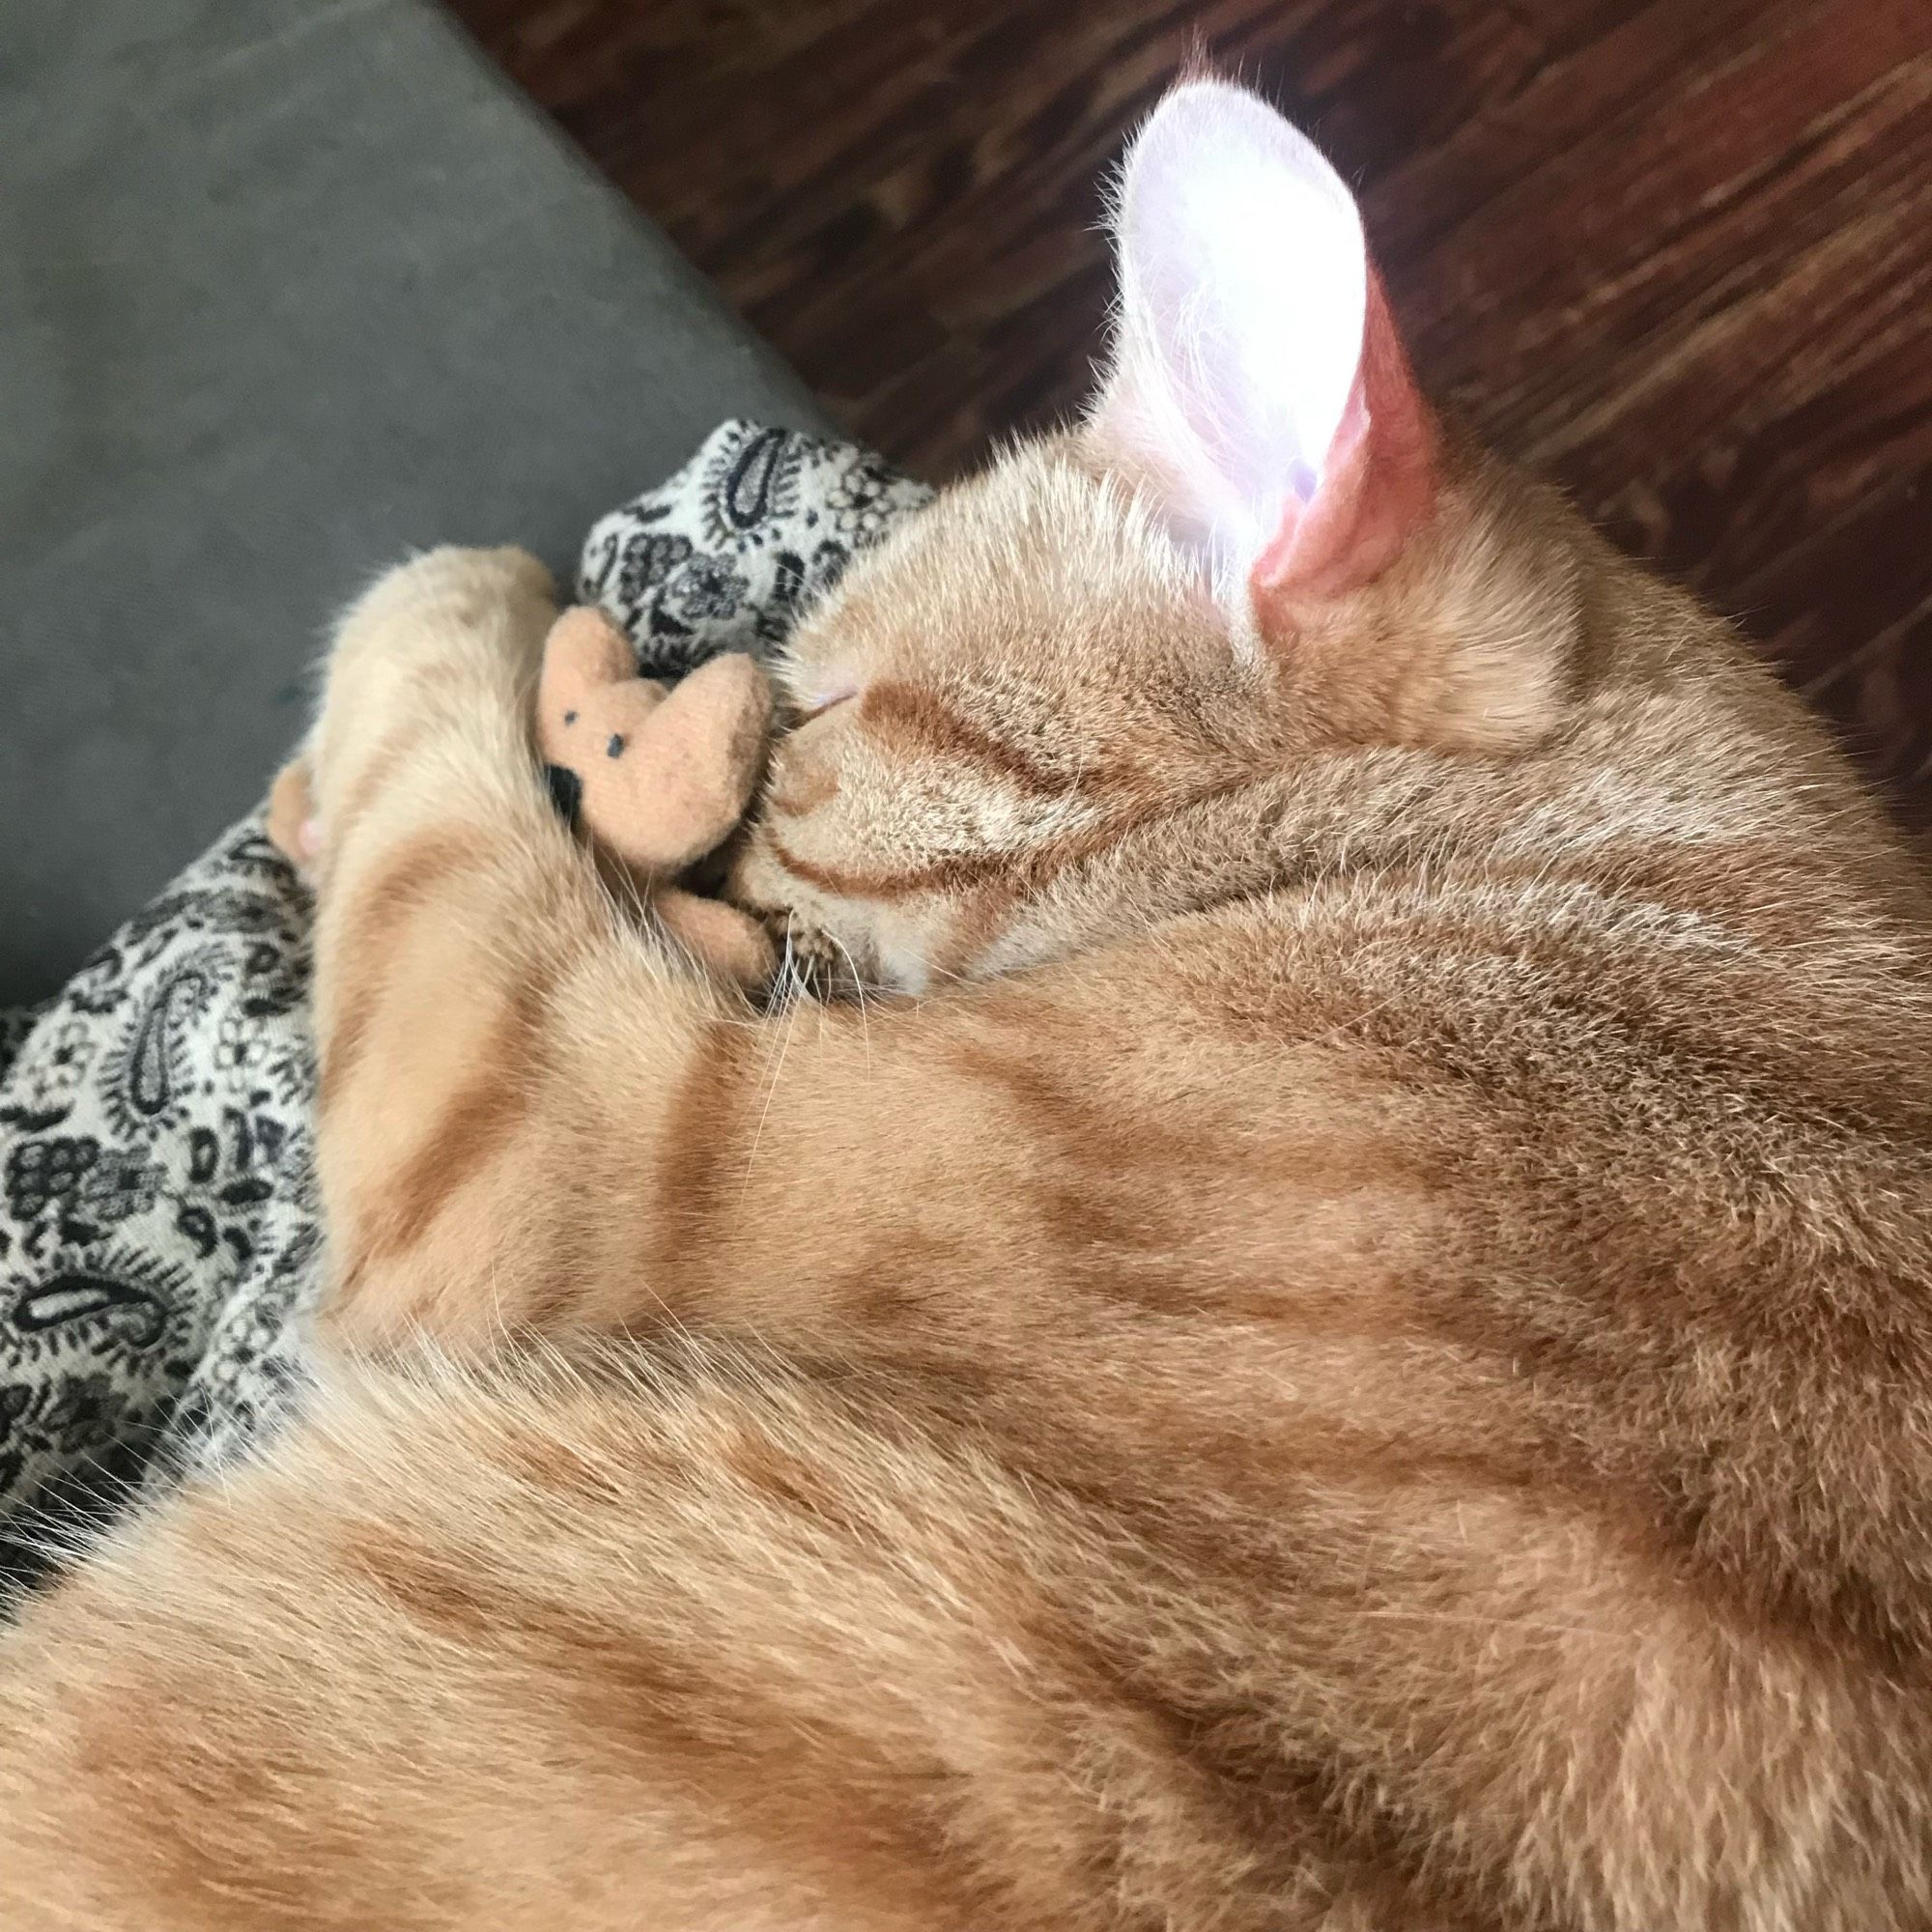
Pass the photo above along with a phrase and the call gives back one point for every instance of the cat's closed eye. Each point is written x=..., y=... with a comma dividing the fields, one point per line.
x=815, y=703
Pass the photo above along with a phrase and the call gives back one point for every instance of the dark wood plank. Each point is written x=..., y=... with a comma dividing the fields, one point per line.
x=1677, y=255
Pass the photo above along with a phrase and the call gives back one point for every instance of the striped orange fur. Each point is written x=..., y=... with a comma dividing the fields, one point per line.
x=1340, y=1339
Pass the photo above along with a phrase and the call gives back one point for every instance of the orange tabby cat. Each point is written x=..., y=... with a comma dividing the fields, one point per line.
x=1350, y=1346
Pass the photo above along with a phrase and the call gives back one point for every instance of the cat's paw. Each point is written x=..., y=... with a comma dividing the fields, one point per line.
x=459, y=582
x=446, y=643
x=719, y=937
x=447, y=609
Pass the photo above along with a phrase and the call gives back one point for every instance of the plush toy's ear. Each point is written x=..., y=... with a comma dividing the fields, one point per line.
x=584, y=652
x=1258, y=385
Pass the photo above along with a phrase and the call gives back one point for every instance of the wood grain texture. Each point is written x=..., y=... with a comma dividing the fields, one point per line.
x=1678, y=256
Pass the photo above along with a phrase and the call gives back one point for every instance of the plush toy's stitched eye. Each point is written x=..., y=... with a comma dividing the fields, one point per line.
x=570, y=718
x=614, y=749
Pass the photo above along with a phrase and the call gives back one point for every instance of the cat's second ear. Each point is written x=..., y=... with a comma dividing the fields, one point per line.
x=1259, y=389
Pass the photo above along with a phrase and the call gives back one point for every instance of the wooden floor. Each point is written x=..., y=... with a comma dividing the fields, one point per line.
x=1677, y=253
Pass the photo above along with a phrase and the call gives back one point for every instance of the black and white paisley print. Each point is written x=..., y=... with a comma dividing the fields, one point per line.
x=149, y=1183
x=159, y=1225
x=731, y=553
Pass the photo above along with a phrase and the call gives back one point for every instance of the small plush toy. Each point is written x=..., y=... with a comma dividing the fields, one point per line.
x=655, y=779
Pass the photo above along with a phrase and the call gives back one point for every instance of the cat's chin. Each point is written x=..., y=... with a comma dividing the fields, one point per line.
x=902, y=969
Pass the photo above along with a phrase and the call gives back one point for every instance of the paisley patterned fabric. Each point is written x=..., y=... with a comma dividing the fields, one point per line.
x=727, y=554
x=158, y=1230
x=158, y=1227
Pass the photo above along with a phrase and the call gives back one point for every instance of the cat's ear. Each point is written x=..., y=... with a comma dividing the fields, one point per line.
x=1258, y=385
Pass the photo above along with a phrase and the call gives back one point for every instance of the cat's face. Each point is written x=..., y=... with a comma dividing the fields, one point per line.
x=1258, y=547
x=970, y=720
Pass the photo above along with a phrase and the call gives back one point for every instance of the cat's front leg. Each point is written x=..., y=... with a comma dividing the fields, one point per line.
x=464, y=946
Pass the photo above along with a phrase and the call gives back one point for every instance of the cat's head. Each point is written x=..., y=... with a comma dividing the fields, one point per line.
x=1261, y=546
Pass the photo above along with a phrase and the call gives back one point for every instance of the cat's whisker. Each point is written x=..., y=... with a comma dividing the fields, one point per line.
x=788, y=1023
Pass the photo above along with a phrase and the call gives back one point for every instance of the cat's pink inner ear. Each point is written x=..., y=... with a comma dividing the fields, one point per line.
x=1259, y=389
x=1376, y=486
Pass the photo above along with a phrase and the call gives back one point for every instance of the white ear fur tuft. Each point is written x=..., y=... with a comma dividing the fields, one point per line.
x=1247, y=300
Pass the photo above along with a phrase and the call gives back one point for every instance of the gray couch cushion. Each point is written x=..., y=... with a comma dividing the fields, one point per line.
x=286, y=288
